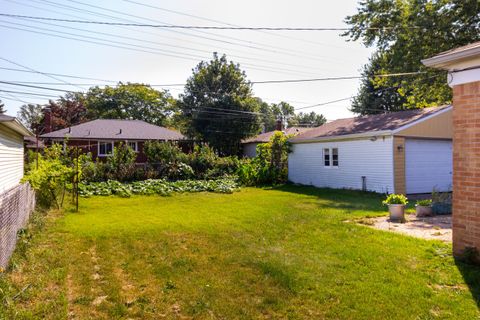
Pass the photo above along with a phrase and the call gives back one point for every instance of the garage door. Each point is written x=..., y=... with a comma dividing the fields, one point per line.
x=428, y=165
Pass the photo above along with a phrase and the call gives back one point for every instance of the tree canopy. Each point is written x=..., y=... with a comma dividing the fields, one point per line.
x=404, y=32
x=2, y=107
x=311, y=119
x=31, y=116
x=130, y=101
x=218, y=105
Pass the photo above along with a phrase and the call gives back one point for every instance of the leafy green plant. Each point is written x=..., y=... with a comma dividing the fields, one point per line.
x=270, y=166
x=49, y=175
x=395, y=199
x=424, y=203
x=157, y=186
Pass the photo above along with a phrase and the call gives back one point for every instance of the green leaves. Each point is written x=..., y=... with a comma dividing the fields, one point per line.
x=218, y=105
x=159, y=186
x=404, y=33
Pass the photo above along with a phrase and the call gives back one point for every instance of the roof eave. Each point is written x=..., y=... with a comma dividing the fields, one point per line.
x=446, y=60
x=18, y=127
x=343, y=137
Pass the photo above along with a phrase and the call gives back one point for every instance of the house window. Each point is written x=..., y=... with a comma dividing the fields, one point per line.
x=335, y=157
x=326, y=157
x=105, y=148
x=133, y=145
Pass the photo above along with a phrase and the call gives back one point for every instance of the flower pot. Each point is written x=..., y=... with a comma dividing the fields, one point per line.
x=423, y=211
x=397, y=212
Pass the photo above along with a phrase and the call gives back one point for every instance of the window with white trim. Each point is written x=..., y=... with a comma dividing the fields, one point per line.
x=133, y=145
x=330, y=157
x=326, y=157
x=105, y=148
x=334, y=157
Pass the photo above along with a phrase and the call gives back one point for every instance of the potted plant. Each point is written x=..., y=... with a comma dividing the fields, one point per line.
x=423, y=208
x=396, y=206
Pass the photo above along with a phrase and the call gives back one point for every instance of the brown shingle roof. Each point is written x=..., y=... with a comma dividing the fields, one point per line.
x=371, y=123
x=110, y=129
x=265, y=137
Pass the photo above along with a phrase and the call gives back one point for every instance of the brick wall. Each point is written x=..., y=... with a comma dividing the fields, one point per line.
x=466, y=166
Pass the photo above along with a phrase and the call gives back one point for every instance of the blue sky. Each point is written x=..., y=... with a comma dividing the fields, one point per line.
x=167, y=56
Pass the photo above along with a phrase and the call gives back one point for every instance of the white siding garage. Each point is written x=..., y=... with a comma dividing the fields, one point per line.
x=356, y=158
x=11, y=151
x=428, y=165
x=11, y=158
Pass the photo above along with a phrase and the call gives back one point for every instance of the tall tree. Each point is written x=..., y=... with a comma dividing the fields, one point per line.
x=130, y=101
x=67, y=111
x=311, y=119
x=219, y=106
x=404, y=32
x=2, y=107
x=271, y=113
x=31, y=116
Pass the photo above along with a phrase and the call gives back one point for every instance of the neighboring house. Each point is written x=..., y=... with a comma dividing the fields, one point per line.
x=249, y=146
x=100, y=136
x=402, y=152
x=11, y=151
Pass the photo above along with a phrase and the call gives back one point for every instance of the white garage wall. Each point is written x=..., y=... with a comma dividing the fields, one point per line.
x=11, y=158
x=357, y=158
x=428, y=165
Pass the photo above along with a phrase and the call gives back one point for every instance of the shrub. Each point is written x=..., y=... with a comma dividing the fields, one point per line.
x=49, y=175
x=395, y=199
x=270, y=166
x=424, y=203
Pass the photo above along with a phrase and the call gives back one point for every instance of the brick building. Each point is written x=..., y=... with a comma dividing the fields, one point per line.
x=99, y=137
x=463, y=65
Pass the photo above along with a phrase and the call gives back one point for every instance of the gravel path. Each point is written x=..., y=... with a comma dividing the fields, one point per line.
x=437, y=227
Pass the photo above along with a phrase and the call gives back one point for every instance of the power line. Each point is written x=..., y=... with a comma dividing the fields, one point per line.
x=153, y=42
x=324, y=103
x=139, y=48
x=35, y=71
x=246, y=43
x=26, y=83
x=58, y=74
x=171, y=26
x=29, y=93
x=226, y=23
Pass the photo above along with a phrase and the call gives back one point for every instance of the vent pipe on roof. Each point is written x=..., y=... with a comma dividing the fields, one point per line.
x=120, y=131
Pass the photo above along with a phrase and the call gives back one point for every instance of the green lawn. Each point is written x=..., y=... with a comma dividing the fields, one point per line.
x=280, y=253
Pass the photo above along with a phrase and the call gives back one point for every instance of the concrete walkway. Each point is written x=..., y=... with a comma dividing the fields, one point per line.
x=437, y=227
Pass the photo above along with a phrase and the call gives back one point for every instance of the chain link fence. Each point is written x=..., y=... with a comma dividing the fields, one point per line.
x=16, y=205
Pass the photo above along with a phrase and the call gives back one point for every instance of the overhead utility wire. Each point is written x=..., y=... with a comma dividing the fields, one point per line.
x=151, y=42
x=27, y=83
x=247, y=43
x=239, y=42
x=36, y=71
x=228, y=24
x=138, y=48
x=171, y=26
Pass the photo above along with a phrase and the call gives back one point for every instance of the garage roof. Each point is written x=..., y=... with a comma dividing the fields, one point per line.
x=369, y=125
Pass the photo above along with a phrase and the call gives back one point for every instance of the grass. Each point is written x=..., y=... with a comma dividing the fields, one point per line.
x=275, y=253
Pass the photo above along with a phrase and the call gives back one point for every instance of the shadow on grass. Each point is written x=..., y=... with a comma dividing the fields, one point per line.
x=471, y=275
x=338, y=198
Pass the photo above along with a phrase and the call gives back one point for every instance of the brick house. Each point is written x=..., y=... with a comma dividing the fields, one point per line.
x=99, y=137
x=463, y=66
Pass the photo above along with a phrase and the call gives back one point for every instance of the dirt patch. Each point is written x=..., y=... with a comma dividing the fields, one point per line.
x=432, y=228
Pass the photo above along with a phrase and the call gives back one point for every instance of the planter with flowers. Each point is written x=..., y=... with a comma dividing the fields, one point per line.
x=396, y=206
x=423, y=208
